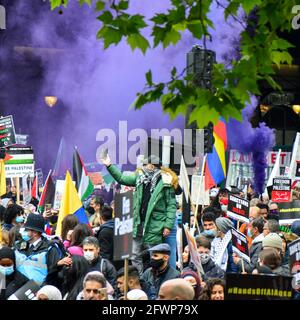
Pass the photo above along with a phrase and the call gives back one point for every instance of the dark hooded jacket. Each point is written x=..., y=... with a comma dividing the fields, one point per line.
x=106, y=240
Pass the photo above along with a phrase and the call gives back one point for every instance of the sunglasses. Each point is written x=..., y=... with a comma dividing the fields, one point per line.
x=96, y=291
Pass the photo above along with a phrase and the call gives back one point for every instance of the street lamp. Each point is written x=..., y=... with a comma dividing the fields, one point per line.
x=50, y=101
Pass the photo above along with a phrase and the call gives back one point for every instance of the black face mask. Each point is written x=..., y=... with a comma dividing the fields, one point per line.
x=90, y=210
x=53, y=219
x=156, y=264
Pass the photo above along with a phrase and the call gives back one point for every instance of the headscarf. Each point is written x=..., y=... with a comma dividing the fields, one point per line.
x=51, y=292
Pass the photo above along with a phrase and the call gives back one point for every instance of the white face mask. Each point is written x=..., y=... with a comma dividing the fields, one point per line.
x=224, y=207
x=89, y=255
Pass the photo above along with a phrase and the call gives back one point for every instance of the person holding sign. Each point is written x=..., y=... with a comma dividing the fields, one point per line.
x=255, y=231
x=154, y=203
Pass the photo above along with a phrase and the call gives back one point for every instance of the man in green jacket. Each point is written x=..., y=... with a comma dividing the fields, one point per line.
x=154, y=204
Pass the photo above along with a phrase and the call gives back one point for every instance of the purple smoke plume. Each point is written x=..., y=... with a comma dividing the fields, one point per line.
x=258, y=140
x=58, y=54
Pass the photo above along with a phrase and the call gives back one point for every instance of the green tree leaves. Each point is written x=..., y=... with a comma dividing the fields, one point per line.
x=260, y=50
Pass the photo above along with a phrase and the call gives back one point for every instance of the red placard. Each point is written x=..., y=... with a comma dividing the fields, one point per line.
x=281, y=196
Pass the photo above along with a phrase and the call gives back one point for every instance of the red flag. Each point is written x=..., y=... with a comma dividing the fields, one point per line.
x=35, y=188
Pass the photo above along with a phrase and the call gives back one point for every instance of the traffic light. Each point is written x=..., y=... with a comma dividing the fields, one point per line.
x=209, y=139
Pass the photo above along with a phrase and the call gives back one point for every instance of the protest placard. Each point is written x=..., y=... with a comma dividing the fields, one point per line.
x=238, y=208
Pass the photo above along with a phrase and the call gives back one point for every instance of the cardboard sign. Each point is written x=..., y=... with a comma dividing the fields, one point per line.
x=258, y=287
x=7, y=132
x=27, y=292
x=204, y=195
x=240, y=244
x=26, y=187
x=294, y=253
x=289, y=212
x=22, y=139
x=123, y=229
x=19, y=161
x=281, y=191
x=59, y=190
x=238, y=208
x=195, y=257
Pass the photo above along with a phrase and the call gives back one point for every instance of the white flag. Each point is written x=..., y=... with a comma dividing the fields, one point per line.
x=295, y=157
x=184, y=179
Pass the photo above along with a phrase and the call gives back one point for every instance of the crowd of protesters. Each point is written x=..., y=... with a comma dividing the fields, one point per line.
x=79, y=264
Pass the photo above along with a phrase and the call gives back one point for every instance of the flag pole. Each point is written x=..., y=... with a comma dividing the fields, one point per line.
x=18, y=190
x=125, y=278
x=199, y=191
x=243, y=267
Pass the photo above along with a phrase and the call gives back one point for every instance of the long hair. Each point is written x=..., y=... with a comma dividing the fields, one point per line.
x=206, y=294
x=80, y=232
x=69, y=223
x=73, y=276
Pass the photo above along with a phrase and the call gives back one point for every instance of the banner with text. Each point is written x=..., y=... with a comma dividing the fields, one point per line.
x=240, y=244
x=123, y=229
x=258, y=287
x=238, y=208
x=289, y=212
x=281, y=191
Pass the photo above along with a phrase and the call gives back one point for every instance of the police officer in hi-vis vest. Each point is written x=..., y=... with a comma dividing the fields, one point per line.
x=36, y=257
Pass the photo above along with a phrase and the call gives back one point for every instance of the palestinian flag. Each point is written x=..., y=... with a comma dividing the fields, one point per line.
x=48, y=193
x=83, y=182
x=35, y=188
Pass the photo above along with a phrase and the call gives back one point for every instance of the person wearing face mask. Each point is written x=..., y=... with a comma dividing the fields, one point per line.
x=211, y=270
x=209, y=226
x=36, y=256
x=91, y=251
x=255, y=231
x=13, y=216
x=13, y=278
x=273, y=211
x=160, y=270
x=154, y=204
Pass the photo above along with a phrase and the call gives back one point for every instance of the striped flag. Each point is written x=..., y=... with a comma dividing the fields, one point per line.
x=2, y=178
x=83, y=182
x=35, y=188
x=70, y=204
x=48, y=193
x=294, y=165
x=215, y=168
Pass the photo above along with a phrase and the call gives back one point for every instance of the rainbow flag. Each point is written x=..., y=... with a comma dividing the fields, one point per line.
x=215, y=168
x=70, y=204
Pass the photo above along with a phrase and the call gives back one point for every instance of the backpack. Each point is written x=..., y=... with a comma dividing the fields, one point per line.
x=59, y=247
